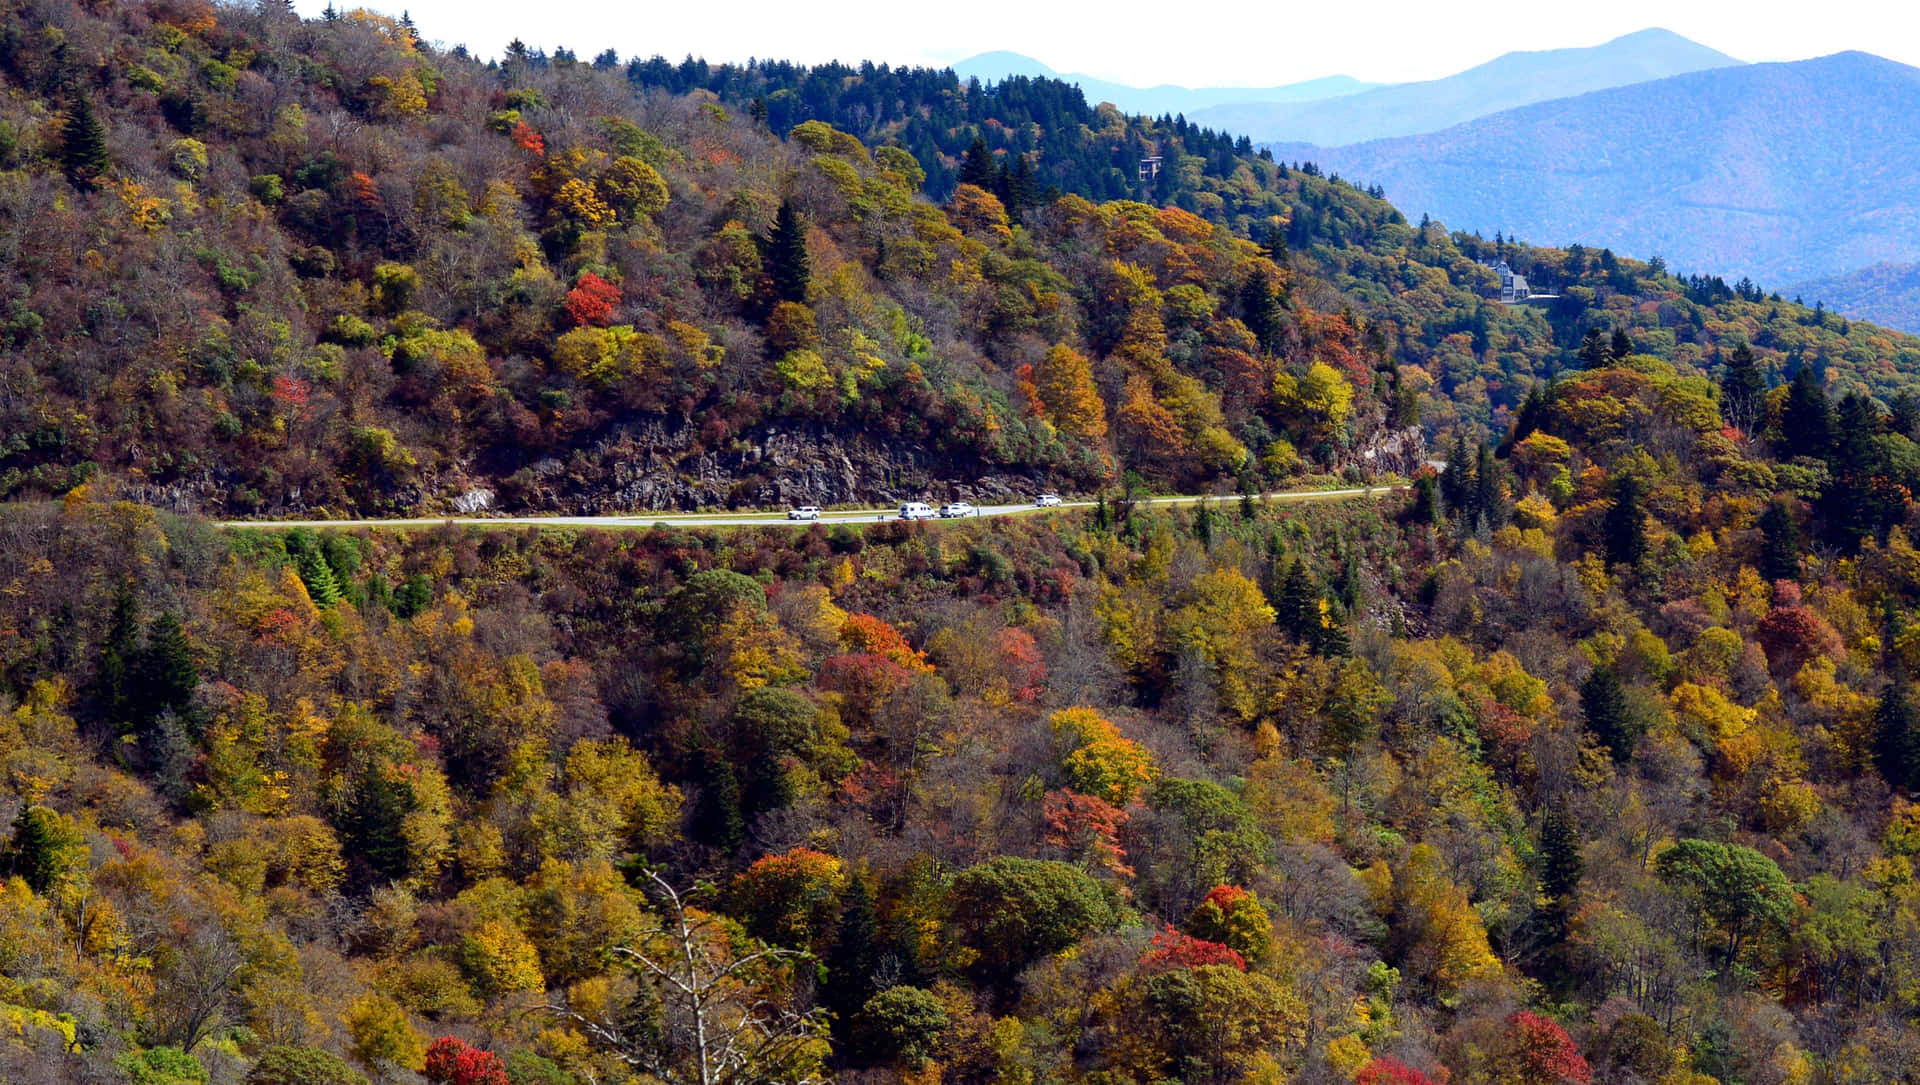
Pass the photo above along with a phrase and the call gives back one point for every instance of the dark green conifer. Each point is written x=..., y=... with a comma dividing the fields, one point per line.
x=1806, y=420
x=1743, y=390
x=978, y=169
x=83, y=142
x=786, y=257
x=1896, y=748
x=716, y=817
x=1779, y=542
x=1603, y=705
x=1626, y=522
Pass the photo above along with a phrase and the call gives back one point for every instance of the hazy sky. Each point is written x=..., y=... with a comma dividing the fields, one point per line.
x=1231, y=42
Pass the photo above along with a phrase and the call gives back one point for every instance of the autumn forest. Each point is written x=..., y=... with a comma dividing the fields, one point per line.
x=1578, y=750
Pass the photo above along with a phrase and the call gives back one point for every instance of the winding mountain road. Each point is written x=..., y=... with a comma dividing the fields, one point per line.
x=764, y=519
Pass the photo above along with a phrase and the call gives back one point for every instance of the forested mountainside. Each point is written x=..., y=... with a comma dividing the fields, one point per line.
x=255, y=265
x=1589, y=762
x=1589, y=759
x=1886, y=294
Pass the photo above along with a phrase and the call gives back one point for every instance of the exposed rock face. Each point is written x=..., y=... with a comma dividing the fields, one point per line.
x=659, y=465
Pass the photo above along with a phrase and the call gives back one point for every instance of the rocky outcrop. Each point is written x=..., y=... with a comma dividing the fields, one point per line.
x=661, y=465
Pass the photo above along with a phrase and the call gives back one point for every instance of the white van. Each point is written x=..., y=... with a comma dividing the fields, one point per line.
x=917, y=510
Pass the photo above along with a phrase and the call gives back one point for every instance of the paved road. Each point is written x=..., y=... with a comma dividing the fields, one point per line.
x=762, y=519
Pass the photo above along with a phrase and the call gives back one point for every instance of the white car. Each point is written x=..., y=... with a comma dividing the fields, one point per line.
x=916, y=510
x=1047, y=501
x=957, y=508
x=804, y=512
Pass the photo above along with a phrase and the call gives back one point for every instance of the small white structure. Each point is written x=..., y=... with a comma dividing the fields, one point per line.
x=1150, y=167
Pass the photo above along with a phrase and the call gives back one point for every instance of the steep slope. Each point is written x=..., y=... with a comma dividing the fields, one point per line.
x=1777, y=171
x=1164, y=99
x=1886, y=294
x=1506, y=82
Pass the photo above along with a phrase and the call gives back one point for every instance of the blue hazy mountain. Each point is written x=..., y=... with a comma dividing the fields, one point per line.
x=1153, y=101
x=1506, y=82
x=1782, y=172
x=1886, y=294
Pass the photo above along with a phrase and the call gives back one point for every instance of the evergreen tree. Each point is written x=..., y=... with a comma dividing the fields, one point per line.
x=1426, y=500
x=1593, y=352
x=1896, y=748
x=1603, y=705
x=1561, y=866
x=1457, y=485
x=35, y=852
x=1779, y=542
x=1526, y=422
x=373, y=829
x=166, y=674
x=1487, y=499
x=113, y=682
x=1905, y=417
x=854, y=959
x=716, y=817
x=977, y=168
x=83, y=142
x=1622, y=344
x=1298, y=604
x=1626, y=522
x=1261, y=311
x=1806, y=419
x=786, y=255
x=1743, y=390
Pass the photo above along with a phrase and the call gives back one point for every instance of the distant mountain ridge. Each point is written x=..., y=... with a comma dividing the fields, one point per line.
x=1163, y=100
x=1506, y=82
x=1781, y=171
x=1886, y=294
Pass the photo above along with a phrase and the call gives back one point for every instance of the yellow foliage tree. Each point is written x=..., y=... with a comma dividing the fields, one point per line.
x=1064, y=380
x=1098, y=760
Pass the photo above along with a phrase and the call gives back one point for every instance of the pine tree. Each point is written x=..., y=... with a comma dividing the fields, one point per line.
x=167, y=674
x=1896, y=748
x=1743, y=390
x=1626, y=522
x=83, y=143
x=1806, y=419
x=1622, y=344
x=113, y=682
x=786, y=255
x=854, y=959
x=1593, y=352
x=1561, y=866
x=1298, y=605
x=1603, y=705
x=978, y=169
x=1779, y=543
x=716, y=818
x=34, y=853
x=1487, y=498
x=1261, y=312
x=1456, y=478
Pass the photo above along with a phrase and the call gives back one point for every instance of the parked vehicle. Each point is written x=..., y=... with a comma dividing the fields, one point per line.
x=1047, y=501
x=956, y=509
x=916, y=510
x=804, y=512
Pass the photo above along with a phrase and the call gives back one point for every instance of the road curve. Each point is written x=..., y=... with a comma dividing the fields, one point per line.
x=764, y=519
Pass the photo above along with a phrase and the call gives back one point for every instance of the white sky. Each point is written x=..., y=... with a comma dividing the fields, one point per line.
x=1229, y=43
